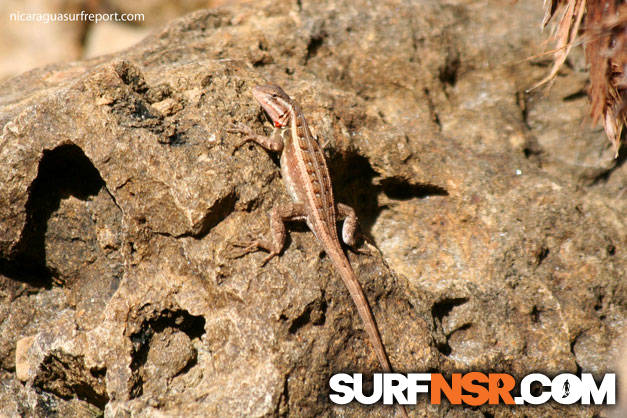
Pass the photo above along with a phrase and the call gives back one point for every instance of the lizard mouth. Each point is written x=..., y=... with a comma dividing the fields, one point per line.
x=274, y=122
x=276, y=119
x=266, y=96
x=273, y=115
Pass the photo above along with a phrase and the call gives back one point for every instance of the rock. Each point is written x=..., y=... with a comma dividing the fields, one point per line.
x=125, y=196
x=21, y=358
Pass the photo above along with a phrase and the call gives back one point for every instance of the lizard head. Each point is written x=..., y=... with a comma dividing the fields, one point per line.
x=276, y=103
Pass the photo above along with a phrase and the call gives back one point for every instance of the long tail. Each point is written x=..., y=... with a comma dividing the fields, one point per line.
x=363, y=308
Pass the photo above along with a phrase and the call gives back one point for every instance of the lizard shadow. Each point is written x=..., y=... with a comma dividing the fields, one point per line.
x=354, y=184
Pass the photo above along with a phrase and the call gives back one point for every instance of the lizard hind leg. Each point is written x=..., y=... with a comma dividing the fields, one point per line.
x=278, y=216
x=349, y=228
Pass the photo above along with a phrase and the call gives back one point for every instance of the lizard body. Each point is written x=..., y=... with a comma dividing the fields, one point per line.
x=306, y=176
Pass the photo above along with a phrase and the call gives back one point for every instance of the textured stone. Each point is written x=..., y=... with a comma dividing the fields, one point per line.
x=21, y=358
x=124, y=197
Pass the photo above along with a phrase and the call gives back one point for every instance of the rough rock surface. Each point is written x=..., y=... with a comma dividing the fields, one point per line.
x=500, y=214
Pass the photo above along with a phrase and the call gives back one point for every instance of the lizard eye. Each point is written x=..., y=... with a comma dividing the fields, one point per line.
x=274, y=95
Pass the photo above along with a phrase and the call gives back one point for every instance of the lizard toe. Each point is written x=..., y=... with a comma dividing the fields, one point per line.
x=269, y=257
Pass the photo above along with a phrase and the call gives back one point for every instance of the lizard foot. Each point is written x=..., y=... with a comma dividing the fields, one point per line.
x=365, y=242
x=253, y=246
x=240, y=128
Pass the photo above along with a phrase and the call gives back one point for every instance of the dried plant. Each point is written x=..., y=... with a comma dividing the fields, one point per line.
x=602, y=27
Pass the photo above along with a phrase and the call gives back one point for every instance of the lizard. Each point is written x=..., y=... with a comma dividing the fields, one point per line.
x=306, y=176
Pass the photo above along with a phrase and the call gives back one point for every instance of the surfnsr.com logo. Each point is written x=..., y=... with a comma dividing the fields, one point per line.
x=474, y=388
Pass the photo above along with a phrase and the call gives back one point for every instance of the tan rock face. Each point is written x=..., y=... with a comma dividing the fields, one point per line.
x=122, y=197
x=21, y=358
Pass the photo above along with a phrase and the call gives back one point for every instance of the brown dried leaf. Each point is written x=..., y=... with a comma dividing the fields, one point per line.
x=605, y=44
x=565, y=34
x=550, y=11
x=595, y=48
x=615, y=110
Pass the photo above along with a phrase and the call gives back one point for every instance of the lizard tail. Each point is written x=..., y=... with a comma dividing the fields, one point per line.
x=363, y=308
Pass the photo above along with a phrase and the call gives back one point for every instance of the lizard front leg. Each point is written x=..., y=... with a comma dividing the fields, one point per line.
x=278, y=216
x=271, y=143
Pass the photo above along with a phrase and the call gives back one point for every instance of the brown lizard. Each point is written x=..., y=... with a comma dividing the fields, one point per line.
x=305, y=173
